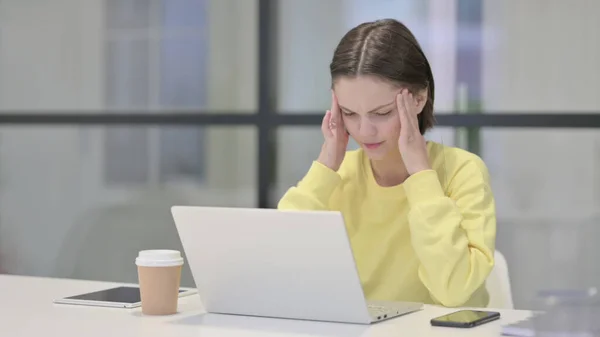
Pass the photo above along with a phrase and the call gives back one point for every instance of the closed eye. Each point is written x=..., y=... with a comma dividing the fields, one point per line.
x=383, y=113
x=347, y=113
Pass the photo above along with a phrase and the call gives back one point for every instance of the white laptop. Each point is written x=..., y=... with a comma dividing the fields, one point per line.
x=270, y=263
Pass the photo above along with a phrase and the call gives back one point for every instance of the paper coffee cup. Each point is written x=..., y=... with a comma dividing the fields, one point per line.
x=159, y=274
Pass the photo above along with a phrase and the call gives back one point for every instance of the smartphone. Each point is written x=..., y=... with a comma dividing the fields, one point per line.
x=465, y=318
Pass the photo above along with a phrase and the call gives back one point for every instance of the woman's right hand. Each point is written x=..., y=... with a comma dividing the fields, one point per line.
x=336, y=137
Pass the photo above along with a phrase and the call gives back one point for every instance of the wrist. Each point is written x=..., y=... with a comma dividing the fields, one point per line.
x=418, y=168
x=327, y=164
x=325, y=160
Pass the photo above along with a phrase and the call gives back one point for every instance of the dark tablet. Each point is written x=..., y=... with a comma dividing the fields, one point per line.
x=119, y=297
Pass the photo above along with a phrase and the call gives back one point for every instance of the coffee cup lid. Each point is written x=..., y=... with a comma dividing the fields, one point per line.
x=159, y=258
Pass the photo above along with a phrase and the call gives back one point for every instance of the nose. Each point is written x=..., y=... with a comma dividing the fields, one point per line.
x=366, y=128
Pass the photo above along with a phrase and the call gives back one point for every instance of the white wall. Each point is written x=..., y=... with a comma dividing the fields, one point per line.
x=542, y=56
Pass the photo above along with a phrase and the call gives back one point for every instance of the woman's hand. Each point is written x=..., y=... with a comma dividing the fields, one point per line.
x=336, y=137
x=411, y=142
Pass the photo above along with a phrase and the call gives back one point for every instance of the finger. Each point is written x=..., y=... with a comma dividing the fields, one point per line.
x=326, y=125
x=334, y=103
x=404, y=122
x=411, y=110
x=340, y=130
x=335, y=111
x=337, y=121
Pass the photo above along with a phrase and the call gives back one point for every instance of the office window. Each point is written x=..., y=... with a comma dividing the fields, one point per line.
x=156, y=54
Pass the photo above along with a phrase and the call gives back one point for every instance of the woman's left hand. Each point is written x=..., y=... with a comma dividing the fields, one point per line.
x=411, y=142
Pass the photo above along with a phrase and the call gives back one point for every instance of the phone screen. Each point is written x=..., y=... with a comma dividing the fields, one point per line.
x=465, y=316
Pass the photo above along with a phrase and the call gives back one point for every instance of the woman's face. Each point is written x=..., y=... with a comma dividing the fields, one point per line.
x=368, y=108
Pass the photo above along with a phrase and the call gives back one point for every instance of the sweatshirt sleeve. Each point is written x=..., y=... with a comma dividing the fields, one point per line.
x=313, y=191
x=453, y=235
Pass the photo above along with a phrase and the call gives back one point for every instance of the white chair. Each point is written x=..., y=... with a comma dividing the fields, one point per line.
x=498, y=284
x=104, y=243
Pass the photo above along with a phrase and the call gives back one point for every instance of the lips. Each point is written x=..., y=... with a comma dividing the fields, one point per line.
x=372, y=145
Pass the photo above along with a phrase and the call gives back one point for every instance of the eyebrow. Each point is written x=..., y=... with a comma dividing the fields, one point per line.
x=377, y=108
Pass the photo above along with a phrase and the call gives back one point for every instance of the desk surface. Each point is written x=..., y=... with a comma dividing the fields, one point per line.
x=26, y=309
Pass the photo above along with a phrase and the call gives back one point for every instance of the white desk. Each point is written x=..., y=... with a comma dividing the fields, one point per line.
x=26, y=309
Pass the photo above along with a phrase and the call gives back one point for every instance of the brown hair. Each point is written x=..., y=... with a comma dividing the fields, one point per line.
x=386, y=49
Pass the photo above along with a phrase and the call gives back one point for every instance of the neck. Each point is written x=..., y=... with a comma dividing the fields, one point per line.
x=389, y=171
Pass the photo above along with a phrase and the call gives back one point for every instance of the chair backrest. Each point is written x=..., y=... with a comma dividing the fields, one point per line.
x=498, y=284
x=104, y=243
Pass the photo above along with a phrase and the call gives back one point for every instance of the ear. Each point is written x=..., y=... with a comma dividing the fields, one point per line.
x=421, y=99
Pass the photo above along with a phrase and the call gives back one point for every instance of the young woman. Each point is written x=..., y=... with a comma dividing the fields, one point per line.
x=420, y=215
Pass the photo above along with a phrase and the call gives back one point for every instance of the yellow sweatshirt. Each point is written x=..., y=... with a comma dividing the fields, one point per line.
x=430, y=239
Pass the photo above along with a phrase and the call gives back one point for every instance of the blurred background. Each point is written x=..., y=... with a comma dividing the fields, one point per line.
x=111, y=111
